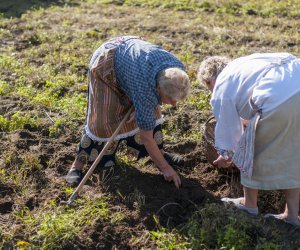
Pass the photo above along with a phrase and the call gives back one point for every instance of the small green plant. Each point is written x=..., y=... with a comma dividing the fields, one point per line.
x=16, y=121
x=22, y=245
x=117, y=217
x=57, y=128
x=217, y=227
x=69, y=190
x=234, y=237
x=199, y=100
x=4, y=123
x=4, y=88
x=168, y=240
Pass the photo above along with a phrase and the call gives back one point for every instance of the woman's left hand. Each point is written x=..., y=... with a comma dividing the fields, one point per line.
x=221, y=162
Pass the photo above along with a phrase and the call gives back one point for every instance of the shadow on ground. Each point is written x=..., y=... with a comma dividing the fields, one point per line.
x=147, y=193
x=15, y=8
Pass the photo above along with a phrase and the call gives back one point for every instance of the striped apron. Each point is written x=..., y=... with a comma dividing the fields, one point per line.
x=107, y=102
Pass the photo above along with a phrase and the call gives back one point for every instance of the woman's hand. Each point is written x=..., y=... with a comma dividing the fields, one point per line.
x=221, y=162
x=171, y=175
x=158, y=158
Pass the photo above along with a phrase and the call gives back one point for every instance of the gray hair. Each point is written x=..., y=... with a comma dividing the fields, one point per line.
x=174, y=83
x=210, y=68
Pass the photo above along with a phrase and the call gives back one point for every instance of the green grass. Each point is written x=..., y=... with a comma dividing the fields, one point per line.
x=17, y=121
x=52, y=226
x=232, y=7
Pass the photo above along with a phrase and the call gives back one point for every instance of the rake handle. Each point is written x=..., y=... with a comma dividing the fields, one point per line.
x=99, y=157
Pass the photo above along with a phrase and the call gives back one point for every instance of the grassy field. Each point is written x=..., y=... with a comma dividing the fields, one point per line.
x=45, y=47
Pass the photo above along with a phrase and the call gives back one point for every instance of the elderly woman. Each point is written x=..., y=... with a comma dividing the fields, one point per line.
x=261, y=90
x=127, y=71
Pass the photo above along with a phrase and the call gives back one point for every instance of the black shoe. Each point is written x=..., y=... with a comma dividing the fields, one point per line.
x=74, y=176
x=173, y=159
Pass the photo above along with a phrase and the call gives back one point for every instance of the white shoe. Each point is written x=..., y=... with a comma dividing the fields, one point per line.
x=280, y=217
x=237, y=203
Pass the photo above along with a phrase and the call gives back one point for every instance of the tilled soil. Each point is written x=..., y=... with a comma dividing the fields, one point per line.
x=140, y=194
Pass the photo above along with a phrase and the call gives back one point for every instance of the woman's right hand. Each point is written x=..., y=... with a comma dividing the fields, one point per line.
x=171, y=175
x=158, y=158
x=221, y=162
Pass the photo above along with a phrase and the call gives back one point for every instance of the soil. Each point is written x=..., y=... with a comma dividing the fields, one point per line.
x=140, y=194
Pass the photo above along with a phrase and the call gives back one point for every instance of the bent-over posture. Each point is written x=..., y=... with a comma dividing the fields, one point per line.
x=127, y=71
x=263, y=90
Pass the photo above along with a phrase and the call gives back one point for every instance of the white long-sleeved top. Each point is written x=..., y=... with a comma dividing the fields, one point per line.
x=268, y=78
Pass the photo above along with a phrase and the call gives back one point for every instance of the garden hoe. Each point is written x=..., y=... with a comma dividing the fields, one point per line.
x=99, y=157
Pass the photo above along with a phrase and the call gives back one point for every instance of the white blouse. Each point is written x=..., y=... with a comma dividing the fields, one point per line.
x=268, y=78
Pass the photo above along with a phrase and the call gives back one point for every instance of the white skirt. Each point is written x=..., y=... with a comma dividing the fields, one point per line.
x=277, y=149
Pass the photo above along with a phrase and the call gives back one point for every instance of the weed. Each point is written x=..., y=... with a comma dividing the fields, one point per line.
x=117, y=217
x=22, y=244
x=69, y=190
x=4, y=88
x=16, y=121
x=168, y=240
x=137, y=198
x=54, y=227
x=20, y=172
x=215, y=227
x=7, y=61
x=57, y=128
x=233, y=237
x=199, y=100
x=31, y=162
